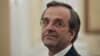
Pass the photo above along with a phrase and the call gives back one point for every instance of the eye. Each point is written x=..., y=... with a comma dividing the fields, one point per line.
x=44, y=21
x=59, y=22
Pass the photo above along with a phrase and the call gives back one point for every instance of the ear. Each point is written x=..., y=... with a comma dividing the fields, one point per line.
x=72, y=34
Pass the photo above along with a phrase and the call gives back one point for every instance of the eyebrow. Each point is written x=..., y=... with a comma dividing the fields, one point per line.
x=59, y=19
x=45, y=18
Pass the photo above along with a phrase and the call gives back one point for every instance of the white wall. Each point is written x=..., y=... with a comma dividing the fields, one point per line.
x=20, y=27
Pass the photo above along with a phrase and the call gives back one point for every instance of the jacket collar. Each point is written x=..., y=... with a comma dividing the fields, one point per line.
x=72, y=52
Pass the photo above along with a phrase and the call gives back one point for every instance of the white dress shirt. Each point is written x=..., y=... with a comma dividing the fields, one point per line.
x=63, y=52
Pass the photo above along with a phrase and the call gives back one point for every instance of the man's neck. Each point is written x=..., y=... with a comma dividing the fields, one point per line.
x=54, y=50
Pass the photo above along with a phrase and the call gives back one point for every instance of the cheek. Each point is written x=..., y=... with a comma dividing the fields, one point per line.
x=42, y=30
x=64, y=34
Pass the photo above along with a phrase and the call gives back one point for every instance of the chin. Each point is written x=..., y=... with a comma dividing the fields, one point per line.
x=49, y=43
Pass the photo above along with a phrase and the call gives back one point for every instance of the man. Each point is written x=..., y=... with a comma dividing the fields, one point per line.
x=60, y=27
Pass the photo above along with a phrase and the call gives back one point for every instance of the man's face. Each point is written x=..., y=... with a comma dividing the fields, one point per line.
x=55, y=26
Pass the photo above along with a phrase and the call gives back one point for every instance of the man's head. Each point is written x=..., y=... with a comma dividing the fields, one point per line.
x=60, y=25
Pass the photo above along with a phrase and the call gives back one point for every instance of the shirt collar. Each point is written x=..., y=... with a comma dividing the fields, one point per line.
x=63, y=52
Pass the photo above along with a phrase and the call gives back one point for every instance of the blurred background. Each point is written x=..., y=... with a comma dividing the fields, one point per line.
x=20, y=31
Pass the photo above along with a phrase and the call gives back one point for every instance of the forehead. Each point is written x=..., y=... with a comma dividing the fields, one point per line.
x=57, y=12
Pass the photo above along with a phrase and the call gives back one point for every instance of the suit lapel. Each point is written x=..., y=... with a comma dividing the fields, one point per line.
x=72, y=52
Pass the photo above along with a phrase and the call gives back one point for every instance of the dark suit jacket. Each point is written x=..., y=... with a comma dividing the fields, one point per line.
x=72, y=52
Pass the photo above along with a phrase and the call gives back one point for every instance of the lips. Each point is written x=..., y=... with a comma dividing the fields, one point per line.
x=49, y=35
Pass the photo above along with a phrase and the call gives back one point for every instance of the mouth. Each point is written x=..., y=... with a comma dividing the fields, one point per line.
x=47, y=35
x=50, y=36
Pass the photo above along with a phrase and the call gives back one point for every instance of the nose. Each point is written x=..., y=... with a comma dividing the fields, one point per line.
x=50, y=28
